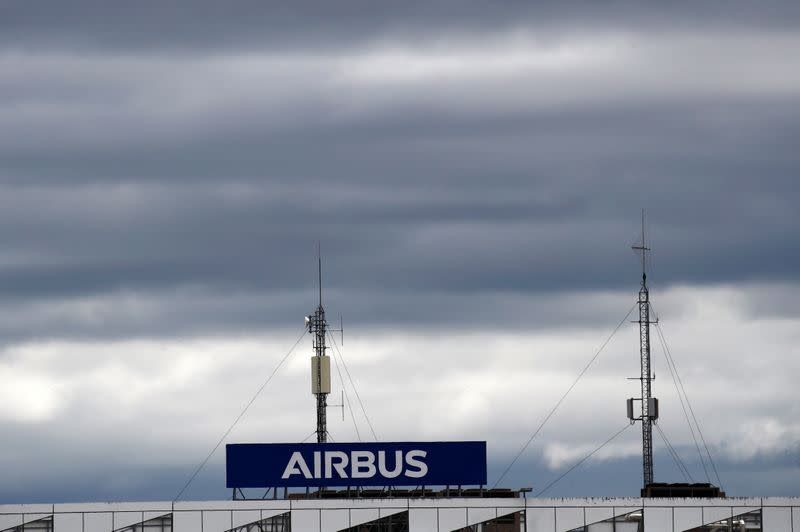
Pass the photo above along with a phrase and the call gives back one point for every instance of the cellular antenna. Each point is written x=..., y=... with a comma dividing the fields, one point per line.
x=649, y=404
x=320, y=362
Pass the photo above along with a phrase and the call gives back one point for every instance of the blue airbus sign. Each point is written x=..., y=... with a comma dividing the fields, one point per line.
x=267, y=465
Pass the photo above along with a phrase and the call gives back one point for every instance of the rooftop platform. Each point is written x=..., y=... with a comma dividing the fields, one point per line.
x=427, y=514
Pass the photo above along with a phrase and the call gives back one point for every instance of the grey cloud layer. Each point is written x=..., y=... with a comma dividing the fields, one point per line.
x=167, y=174
x=245, y=23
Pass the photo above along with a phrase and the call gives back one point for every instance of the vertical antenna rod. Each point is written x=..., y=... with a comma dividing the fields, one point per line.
x=320, y=362
x=649, y=404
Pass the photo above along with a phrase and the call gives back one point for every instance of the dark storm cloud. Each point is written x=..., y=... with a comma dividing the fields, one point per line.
x=394, y=237
x=204, y=25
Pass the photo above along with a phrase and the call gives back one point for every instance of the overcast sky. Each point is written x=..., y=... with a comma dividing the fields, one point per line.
x=475, y=174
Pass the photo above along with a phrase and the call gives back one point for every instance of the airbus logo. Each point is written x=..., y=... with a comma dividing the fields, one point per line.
x=256, y=465
x=357, y=464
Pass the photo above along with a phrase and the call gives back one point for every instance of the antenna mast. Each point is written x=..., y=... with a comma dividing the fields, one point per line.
x=320, y=362
x=649, y=403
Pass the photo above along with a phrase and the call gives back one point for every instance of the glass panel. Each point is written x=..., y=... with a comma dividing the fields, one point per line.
x=40, y=525
x=514, y=522
x=158, y=524
x=390, y=523
x=749, y=522
x=630, y=522
x=278, y=523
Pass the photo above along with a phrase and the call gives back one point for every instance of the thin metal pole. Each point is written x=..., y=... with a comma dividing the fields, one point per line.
x=525, y=517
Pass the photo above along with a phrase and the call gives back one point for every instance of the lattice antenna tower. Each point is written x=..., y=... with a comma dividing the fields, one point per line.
x=649, y=404
x=320, y=361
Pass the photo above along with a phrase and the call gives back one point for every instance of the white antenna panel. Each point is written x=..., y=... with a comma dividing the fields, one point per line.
x=320, y=374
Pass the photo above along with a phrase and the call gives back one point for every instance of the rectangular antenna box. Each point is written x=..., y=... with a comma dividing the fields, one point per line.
x=320, y=374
